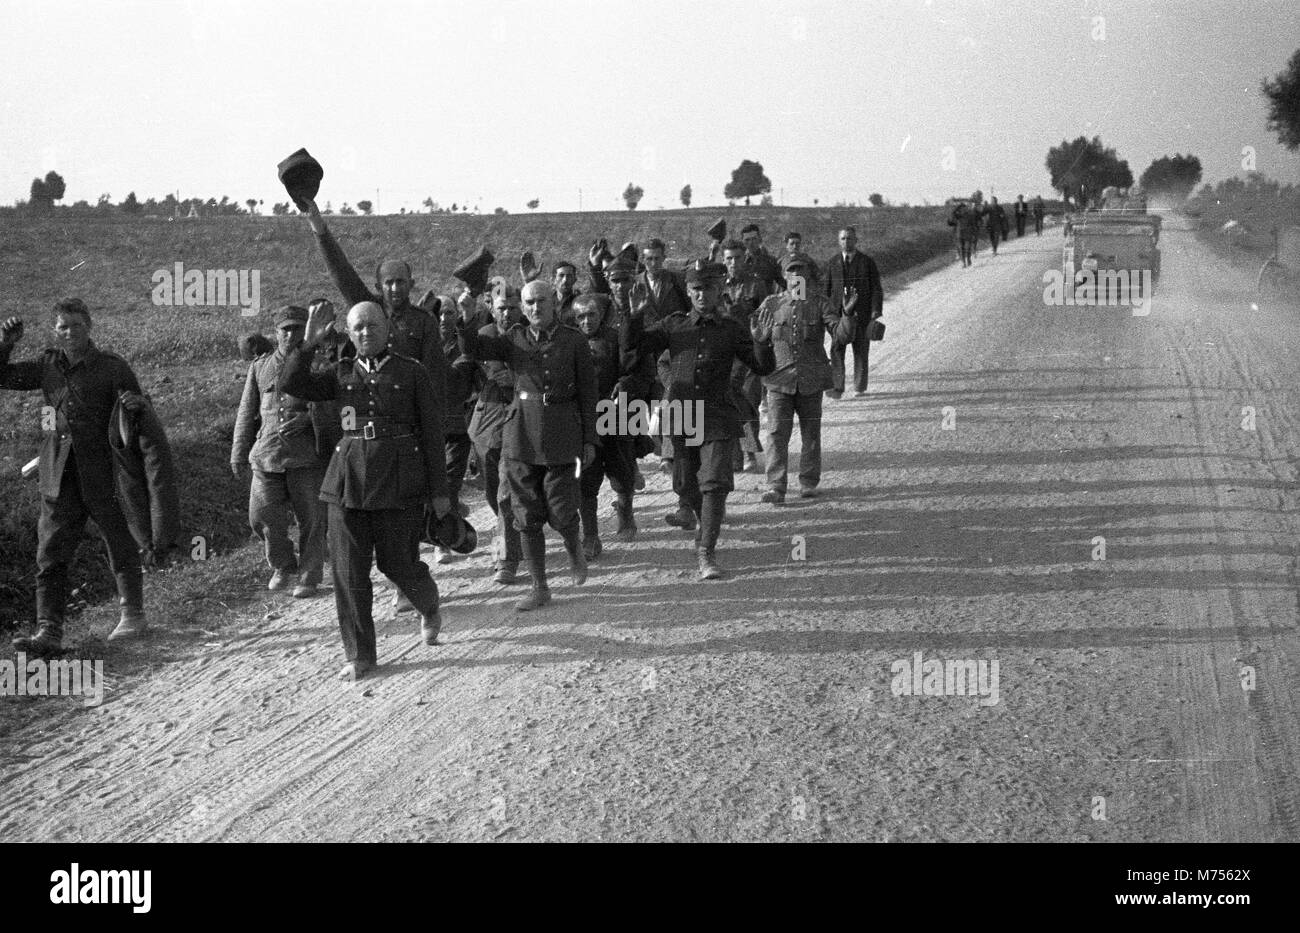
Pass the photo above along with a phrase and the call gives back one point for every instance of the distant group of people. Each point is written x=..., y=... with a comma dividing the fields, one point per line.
x=969, y=217
x=362, y=429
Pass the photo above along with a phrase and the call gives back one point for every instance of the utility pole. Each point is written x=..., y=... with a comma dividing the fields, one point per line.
x=579, y=200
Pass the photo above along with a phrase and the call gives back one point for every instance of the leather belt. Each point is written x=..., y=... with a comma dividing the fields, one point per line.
x=546, y=398
x=371, y=431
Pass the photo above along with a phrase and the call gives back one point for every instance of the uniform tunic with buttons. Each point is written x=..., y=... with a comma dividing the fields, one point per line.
x=267, y=448
x=82, y=396
x=701, y=352
x=554, y=410
x=403, y=465
x=799, y=327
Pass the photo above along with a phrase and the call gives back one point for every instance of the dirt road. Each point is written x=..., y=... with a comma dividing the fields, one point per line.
x=649, y=706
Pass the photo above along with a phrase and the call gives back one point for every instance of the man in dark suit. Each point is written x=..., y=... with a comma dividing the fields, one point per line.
x=388, y=467
x=1022, y=214
x=81, y=385
x=852, y=272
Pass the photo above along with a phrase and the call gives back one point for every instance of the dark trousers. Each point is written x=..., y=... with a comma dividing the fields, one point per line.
x=1020, y=226
x=965, y=247
x=702, y=477
x=59, y=531
x=542, y=494
x=457, y=448
x=271, y=498
x=615, y=459
x=861, y=345
x=1038, y=225
x=994, y=237
x=781, y=410
x=392, y=538
x=496, y=489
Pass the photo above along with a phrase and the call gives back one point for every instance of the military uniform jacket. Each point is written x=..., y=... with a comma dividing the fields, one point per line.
x=82, y=397
x=411, y=331
x=496, y=396
x=554, y=409
x=701, y=351
x=764, y=265
x=391, y=453
x=461, y=371
x=743, y=295
x=798, y=342
x=273, y=430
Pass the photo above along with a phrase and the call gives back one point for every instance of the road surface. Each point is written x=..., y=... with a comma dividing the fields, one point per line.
x=964, y=503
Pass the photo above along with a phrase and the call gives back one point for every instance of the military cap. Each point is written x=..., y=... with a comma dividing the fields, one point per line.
x=629, y=252
x=473, y=271
x=301, y=176
x=620, y=268
x=790, y=260
x=290, y=313
x=451, y=531
x=719, y=229
x=701, y=270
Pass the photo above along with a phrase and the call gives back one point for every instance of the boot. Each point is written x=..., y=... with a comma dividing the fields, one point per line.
x=430, y=626
x=683, y=518
x=590, y=529
x=48, y=640
x=712, y=509
x=709, y=569
x=577, y=557
x=626, y=520
x=401, y=604
x=130, y=587
x=507, y=572
x=534, y=548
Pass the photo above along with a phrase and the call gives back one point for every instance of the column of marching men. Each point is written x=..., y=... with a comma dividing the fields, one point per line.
x=361, y=428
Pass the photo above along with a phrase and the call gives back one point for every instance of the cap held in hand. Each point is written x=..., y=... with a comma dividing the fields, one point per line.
x=474, y=271
x=451, y=531
x=301, y=176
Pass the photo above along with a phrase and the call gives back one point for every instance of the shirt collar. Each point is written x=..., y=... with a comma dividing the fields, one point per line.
x=540, y=335
x=697, y=319
x=375, y=363
x=92, y=352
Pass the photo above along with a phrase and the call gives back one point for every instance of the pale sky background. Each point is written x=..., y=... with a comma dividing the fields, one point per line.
x=495, y=102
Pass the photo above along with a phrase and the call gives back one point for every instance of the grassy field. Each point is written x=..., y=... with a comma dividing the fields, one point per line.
x=187, y=359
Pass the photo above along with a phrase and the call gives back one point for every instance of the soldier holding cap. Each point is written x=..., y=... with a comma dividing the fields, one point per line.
x=81, y=385
x=702, y=346
x=800, y=321
x=387, y=468
x=274, y=433
x=553, y=425
x=495, y=402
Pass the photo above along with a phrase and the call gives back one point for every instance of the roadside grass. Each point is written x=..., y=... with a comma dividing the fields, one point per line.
x=187, y=360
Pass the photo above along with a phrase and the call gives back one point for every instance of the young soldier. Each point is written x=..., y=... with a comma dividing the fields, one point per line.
x=702, y=346
x=630, y=375
x=274, y=434
x=553, y=426
x=386, y=470
x=81, y=384
x=797, y=333
x=461, y=372
x=743, y=292
x=491, y=411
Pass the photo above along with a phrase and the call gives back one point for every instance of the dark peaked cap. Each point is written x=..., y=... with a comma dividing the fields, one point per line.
x=301, y=176
x=474, y=271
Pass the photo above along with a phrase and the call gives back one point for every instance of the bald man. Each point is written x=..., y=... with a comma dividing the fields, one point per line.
x=387, y=468
x=551, y=430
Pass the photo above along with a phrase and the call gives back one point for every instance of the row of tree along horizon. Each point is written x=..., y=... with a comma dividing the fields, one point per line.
x=1079, y=169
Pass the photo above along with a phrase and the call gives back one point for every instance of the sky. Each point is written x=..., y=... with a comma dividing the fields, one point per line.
x=496, y=102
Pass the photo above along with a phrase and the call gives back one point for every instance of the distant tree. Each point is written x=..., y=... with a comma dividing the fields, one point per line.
x=453, y=207
x=169, y=206
x=532, y=205
x=280, y=208
x=45, y=192
x=1283, y=93
x=747, y=181
x=1081, y=168
x=876, y=200
x=104, y=202
x=977, y=198
x=632, y=195
x=500, y=210
x=130, y=205
x=815, y=202
x=81, y=206
x=347, y=211
x=329, y=208
x=365, y=207
x=1175, y=176
x=686, y=196
x=430, y=203
x=402, y=211
x=252, y=205
x=151, y=208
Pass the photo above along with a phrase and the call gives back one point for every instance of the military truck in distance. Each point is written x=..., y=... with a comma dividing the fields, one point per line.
x=1117, y=236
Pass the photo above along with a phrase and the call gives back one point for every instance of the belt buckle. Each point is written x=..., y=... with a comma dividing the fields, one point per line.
x=546, y=398
x=368, y=432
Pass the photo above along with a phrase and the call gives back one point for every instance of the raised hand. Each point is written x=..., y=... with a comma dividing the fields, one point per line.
x=11, y=331
x=640, y=297
x=760, y=324
x=319, y=319
x=529, y=267
x=596, y=252
x=467, y=306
